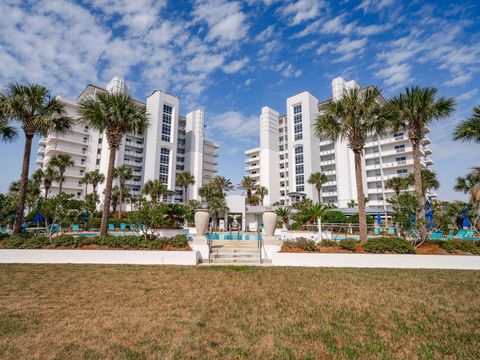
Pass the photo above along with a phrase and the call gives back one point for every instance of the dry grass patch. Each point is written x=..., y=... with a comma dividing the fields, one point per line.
x=148, y=312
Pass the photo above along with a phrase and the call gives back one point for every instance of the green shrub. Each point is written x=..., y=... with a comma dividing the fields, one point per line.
x=328, y=243
x=334, y=217
x=388, y=244
x=114, y=242
x=353, y=219
x=294, y=226
x=179, y=241
x=301, y=243
x=451, y=246
x=348, y=244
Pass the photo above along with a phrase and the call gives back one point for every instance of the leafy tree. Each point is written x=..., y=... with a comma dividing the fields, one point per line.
x=414, y=110
x=116, y=114
x=95, y=178
x=155, y=189
x=334, y=217
x=185, y=179
x=397, y=184
x=318, y=179
x=249, y=185
x=122, y=173
x=284, y=214
x=356, y=114
x=60, y=210
x=405, y=206
x=261, y=192
x=38, y=114
x=147, y=219
x=302, y=204
x=174, y=214
x=217, y=206
x=429, y=181
x=61, y=161
x=469, y=130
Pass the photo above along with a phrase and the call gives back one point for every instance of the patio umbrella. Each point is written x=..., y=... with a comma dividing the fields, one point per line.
x=85, y=216
x=429, y=218
x=38, y=218
x=465, y=222
x=379, y=219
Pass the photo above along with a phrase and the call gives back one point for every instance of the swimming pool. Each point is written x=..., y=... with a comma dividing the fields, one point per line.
x=234, y=236
x=121, y=233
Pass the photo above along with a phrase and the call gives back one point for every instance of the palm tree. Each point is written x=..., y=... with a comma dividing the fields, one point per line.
x=249, y=185
x=261, y=192
x=207, y=191
x=414, y=110
x=318, y=179
x=185, y=179
x=96, y=178
x=174, y=213
x=116, y=114
x=216, y=207
x=156, y=189
x=356, y=114
x=49, y=176
x=85, y=181
x=7, y=133
x=469, y=184
x=284, y=214
x=221, y=185
x=397, y=184
x=115, y=198
x=469, y=130
x=429, y=181
x=39, y=114
x=61, y=161
x=123, y=173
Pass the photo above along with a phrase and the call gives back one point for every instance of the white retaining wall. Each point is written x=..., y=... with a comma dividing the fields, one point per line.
x=378, y=261
x=140, y=257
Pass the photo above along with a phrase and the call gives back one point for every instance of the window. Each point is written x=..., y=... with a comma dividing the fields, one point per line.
x=398, y=136
x=98, y=161
x=297, y=122
x=401, y=160
x=164, y=162
x=402, y=172
x=299, y=170
x=166, y=122
x=400, y=148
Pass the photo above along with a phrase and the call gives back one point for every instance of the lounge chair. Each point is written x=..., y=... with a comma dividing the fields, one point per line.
x=132, y=226
x=376, y=231
x=75, y=227
x=111, y=227
x=123, y=227
x=391, y=231
x=460, y=234
x=437, y=235
x=54, y=228
x=470, y=235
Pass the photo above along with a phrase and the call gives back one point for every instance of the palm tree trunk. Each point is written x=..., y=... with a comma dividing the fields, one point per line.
x=86, y=187
x=185, y=195
x=108, y=192
x=319, y=195
x=120, y=215
x=418, y=189
x=22, y=193
x=60, y=184
x=362, y=217
x=47, y=189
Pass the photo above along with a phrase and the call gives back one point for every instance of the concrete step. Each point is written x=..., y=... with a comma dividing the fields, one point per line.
x=235, y=255
x=235, y=261
x=234, y=250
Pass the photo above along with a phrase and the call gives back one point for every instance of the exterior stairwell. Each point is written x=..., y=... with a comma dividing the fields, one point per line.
x=231, y=252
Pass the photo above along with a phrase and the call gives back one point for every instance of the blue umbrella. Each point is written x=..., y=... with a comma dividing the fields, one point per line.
x=85, y=216
x=379, y=219
x=465, y=222
x=412, y=219
x=38, y=218
x=429, y=217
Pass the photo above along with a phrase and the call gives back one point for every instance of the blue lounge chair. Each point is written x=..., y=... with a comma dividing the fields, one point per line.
x=469, y=235
x=460, y=234
x=54, y=228
x=75, y=227
x=437, y=235
x=391, y=231
x=376, y=231
x=132, y=226
x=123, y=227
x=111, y=227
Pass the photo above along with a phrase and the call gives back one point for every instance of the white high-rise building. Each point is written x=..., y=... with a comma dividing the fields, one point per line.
x=290, y=151
x=173, y=143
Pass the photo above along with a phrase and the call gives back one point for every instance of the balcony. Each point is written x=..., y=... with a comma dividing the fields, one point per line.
x=394, y=164
x=65, y=149
x=327, y=162
x=135, y=154
x=252, y=159
x=326, y=142
x=328, y=194
x=428, y=161
x=133, y=144
x=372, y=155
x=377, y=190
x=39, y=161
x=329, y=172
x=373, y=166
x=68, y=138
x=41, y=150
x=375, y=203
x=427, y=150
x=404, y=150
x=393, y=139
x=327, y=152
x=133, y=163
x=426, y=140
x=133, y=182
x=42, y=141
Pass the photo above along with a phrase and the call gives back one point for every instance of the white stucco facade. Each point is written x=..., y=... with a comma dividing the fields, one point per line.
x=290, y=151
x=173, y=143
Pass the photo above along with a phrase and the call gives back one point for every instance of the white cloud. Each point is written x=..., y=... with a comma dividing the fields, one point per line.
x=235, y=66
x=226, y=21
x=458, y=80
x=301, y=10
x=348, y=49
x=235, y=126
x=467, y=95
x=395, y=75
x=287, y=70
x=266, y=33
x=374, y=5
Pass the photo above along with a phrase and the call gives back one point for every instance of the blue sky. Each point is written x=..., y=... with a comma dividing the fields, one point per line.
x=233, y=57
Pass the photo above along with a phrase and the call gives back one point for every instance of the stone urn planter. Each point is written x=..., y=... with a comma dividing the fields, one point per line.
x=270, y=223
x=201, y=221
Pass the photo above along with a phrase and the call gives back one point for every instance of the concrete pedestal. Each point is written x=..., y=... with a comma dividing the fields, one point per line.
x=271, y=245
x=200, y=244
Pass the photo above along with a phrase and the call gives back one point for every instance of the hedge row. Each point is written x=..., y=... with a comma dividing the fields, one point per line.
x=114, y=242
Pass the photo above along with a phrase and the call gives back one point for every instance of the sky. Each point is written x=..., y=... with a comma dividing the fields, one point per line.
x=231, y=58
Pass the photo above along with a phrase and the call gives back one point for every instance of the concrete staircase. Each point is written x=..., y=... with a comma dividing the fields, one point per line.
x=235, y=252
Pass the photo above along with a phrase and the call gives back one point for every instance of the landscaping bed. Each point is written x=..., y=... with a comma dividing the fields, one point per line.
x=176, y=243
x=383, y=245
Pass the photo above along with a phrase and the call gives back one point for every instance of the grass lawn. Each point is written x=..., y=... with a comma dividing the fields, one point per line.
x=137, y=312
